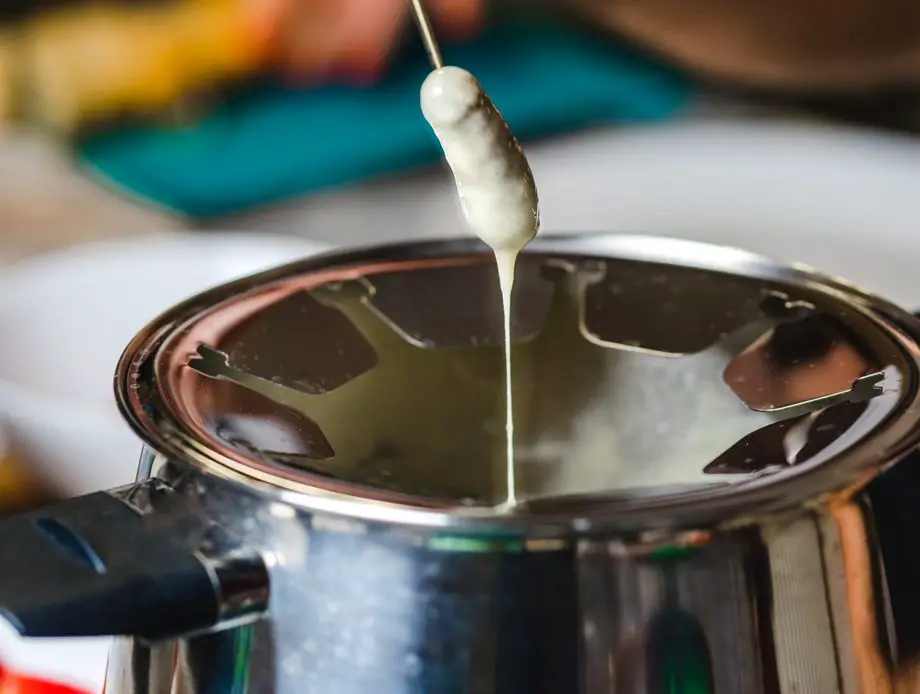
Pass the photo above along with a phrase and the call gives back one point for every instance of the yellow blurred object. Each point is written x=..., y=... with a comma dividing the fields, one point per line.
x=87, y=63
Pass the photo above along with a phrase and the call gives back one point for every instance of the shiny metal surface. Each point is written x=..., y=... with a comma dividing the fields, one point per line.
x=426, y=29
x=651, y=375
x=770, y=553
x=822, y=601
x=240, y=576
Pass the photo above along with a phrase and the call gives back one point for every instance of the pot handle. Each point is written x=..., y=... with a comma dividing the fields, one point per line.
x=97, y=565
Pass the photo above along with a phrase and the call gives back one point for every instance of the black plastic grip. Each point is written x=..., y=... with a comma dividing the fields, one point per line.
x=93, y=566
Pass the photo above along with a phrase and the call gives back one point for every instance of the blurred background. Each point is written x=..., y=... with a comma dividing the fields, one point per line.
x=151, y=148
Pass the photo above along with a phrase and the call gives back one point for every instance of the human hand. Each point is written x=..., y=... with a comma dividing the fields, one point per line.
x=352, y=39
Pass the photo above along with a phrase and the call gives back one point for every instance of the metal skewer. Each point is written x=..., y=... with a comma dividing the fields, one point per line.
x=427, y=32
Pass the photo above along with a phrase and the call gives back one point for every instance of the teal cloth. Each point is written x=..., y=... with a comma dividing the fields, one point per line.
x=276, y=143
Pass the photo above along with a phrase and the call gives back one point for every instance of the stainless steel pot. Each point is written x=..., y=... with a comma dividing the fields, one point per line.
x=705, y=449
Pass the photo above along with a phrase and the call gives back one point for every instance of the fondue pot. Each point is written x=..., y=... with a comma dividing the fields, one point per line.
x=717, y=490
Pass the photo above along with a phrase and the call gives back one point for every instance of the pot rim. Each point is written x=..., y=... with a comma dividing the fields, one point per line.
x=140, y=402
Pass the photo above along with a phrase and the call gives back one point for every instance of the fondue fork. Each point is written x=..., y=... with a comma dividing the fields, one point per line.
x=426, y=29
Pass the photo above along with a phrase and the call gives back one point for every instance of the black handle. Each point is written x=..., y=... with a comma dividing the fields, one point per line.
x=95, y=566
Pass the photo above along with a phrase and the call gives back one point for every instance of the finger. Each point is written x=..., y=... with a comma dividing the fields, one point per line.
x=298, y=33
x=458, y=18
x=371, y=32
x=265, y=17
x=341, y=37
